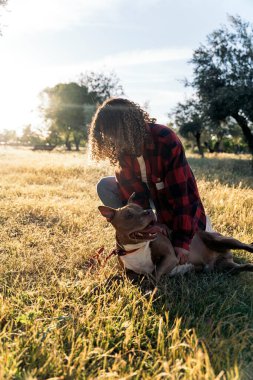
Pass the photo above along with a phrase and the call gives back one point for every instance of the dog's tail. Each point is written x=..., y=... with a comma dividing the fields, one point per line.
x=221, y=243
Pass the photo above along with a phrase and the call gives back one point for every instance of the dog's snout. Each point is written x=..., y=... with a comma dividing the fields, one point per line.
x=147, y=212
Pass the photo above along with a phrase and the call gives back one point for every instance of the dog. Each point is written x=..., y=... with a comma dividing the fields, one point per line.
x=144, y=249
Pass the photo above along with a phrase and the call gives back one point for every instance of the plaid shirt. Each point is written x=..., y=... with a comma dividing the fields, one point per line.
x=171, y=185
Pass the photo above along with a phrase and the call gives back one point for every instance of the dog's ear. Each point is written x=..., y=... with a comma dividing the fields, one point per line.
x=107, y=212
x=131, y=199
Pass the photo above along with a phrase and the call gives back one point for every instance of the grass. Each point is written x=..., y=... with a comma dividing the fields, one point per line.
x=59, y=319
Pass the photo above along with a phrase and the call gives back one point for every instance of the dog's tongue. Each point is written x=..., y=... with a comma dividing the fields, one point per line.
x=152, y=229
x=148, y=233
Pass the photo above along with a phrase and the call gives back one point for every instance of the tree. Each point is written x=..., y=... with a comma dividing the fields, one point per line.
x=189, y=119
x=227, y=130
x=31, y=137
x=8, y=136
x=103, y=86
x=223, y=75
x=69, y=108
x=195, y=126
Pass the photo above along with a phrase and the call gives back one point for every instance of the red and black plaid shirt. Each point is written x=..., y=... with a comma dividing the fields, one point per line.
x=171, y=185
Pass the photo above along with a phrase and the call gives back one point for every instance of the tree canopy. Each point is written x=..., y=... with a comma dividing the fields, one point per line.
x=223, y=75
x=69, y=108
x=103, y=85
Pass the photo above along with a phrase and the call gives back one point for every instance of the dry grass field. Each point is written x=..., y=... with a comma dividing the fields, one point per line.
x=61, y=320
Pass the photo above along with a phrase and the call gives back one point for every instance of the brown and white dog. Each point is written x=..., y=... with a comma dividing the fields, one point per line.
x=143, y=249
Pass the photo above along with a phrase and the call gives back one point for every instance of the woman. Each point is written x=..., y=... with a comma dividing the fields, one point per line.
x=149, y=160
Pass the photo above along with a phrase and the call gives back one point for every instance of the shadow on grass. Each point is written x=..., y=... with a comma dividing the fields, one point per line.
x=218, y=307
x=230, y=171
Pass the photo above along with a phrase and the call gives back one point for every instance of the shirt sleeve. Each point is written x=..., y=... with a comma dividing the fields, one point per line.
x=184, y=197
x=129, y=182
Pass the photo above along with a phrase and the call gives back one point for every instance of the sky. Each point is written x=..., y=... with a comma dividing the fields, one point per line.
x=147, y=43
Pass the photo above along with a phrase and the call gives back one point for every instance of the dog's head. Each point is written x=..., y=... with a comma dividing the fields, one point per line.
x=132, y=222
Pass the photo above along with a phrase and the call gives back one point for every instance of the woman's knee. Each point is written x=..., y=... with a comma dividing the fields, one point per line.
x=106, y=184
x=108, y=192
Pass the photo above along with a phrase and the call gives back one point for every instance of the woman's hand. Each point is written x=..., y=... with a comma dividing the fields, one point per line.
x=182, y=255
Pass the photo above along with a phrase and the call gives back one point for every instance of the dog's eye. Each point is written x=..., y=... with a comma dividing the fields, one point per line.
x=128, y=215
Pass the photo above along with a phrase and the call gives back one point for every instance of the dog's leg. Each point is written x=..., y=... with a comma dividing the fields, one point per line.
x=219, y=243
x=234, y=267
x=166, y=265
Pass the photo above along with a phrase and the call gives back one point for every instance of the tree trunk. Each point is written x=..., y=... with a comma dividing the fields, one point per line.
x=68, y=145
x=67, y=141
x=242, y=122
x=197, y=137
x=77, y=143
x=217, y=148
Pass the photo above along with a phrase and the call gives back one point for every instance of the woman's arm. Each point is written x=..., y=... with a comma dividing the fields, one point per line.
x=188, y=211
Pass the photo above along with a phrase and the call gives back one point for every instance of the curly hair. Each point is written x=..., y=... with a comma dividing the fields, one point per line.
x=119, y=127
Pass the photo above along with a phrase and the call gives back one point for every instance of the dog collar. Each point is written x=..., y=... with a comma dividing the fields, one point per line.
x=123, y=250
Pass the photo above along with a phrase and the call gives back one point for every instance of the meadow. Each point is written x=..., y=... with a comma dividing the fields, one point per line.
x=60, y=318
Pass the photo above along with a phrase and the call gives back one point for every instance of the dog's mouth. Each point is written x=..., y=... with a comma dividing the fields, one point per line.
x=148, y=233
